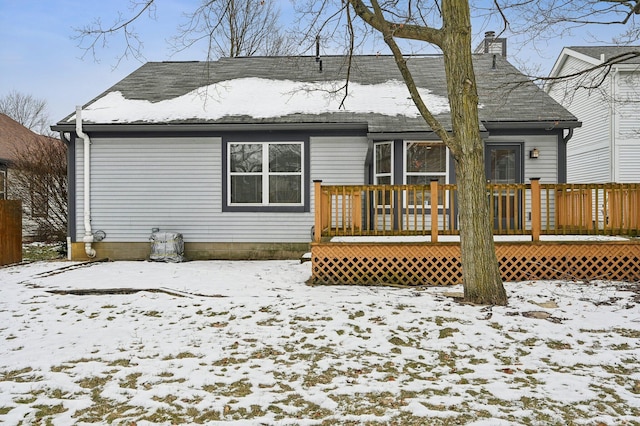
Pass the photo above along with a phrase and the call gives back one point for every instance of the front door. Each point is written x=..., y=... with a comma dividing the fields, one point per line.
x=503, y=165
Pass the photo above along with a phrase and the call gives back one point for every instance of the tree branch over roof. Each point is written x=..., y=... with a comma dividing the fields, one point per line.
x=98, y=36
x=388, y=31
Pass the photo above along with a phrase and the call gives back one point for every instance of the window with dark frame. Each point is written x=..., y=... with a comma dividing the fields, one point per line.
x=422, y=162
x=265, y=174
x=39, y=197
x=425, y=161
x=3, y=185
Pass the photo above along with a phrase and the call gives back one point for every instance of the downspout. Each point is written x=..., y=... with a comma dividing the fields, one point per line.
x=88, y=234
x=562, y=156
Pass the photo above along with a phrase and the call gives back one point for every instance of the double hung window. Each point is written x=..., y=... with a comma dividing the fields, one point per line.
x=422, y=162
x=265, y=174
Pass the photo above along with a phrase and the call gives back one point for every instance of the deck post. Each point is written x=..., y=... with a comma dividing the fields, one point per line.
x=536, y=213
x=317, y=228
x=434, y=210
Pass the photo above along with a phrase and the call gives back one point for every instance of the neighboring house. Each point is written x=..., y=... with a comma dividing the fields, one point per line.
x=607, y=102
x=225, y=152
x=16, y=144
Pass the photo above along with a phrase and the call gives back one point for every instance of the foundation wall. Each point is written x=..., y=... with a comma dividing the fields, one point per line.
x=196, y=251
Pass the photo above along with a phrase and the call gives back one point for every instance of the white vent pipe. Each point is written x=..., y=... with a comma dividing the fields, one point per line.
x=88, y=234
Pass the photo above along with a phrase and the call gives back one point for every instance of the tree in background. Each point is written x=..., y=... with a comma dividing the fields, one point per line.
x=26, y=110
x=38, y=169
x=39, y=178
x=234, y=28
x=227, y=28
x=447, y=25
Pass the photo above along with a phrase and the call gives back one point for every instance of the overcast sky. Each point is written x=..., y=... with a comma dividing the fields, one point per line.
x=39, y=56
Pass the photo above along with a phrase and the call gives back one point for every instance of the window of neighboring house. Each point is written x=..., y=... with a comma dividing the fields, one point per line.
x=424, y=162
x=38, y=192
x=3, y=184
x=265, y=174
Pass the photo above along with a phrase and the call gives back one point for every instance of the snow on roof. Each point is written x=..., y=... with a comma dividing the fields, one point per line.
x=265, y=98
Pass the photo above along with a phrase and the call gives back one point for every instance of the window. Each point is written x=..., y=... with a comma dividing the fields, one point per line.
x=39, y=196
x=265, y=174
x=3, y=184
x=424, y=162
x=383, y=163
x=383, y=170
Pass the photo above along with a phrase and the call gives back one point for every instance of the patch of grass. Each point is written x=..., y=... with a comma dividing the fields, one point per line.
x=447, y=332
x=93, y=382
x=131, y=381
x=5, y=410
x=26, y=399
x=19, y=376
x=356, y=314
x=48, y=410
x=556, y=344
x=39, y=251
x=620, y=347
x=628, y=332
x=269, y=322
x=12, y=375
x=122, y=362
x=183, y=355
x=162, y=415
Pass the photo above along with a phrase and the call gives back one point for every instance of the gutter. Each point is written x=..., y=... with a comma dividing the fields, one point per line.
x=212, y=127
x=88, y=234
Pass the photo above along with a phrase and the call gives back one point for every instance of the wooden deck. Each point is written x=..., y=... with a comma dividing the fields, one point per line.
x=394, y=237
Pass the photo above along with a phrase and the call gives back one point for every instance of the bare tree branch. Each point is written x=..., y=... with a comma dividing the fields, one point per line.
x=94, y=36
x=26, y=110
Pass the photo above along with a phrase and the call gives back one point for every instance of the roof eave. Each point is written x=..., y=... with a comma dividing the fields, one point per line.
x=206, y=127
x=536, y=125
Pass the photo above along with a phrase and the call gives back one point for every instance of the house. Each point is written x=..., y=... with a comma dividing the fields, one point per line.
x=607, y=101
x=24, y=176
x=225, y=152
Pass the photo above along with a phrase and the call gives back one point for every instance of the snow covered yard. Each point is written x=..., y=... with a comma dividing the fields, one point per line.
x=250, y=343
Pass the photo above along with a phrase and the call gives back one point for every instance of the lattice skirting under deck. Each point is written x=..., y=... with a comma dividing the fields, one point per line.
x=417, y=264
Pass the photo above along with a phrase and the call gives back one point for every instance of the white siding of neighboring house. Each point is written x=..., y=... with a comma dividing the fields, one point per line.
x=175, y=184
x=588, y=151
x=627, y=127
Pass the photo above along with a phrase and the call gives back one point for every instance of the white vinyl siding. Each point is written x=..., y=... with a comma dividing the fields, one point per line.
x=589, y=167
x=603, y=149
x=627, y=106
x=338, y=161
x=175, y=184
x=628, y=163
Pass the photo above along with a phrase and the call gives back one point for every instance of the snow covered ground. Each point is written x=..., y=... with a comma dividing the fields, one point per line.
x=251, y=343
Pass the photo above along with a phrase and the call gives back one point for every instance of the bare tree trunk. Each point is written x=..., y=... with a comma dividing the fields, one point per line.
x=481, y=275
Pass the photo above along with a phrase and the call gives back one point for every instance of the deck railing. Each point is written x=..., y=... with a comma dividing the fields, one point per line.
x=516, y=209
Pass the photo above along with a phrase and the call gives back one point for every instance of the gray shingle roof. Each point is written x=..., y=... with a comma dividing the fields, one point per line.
x=505, y=94
x=608, y=52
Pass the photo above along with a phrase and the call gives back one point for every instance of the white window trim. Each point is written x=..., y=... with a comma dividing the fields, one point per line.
x=377, y=175
x=405, y=145
x=265, y=175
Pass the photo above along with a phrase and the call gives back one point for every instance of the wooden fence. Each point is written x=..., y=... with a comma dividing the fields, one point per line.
x=10, y=231
x=517, y=209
